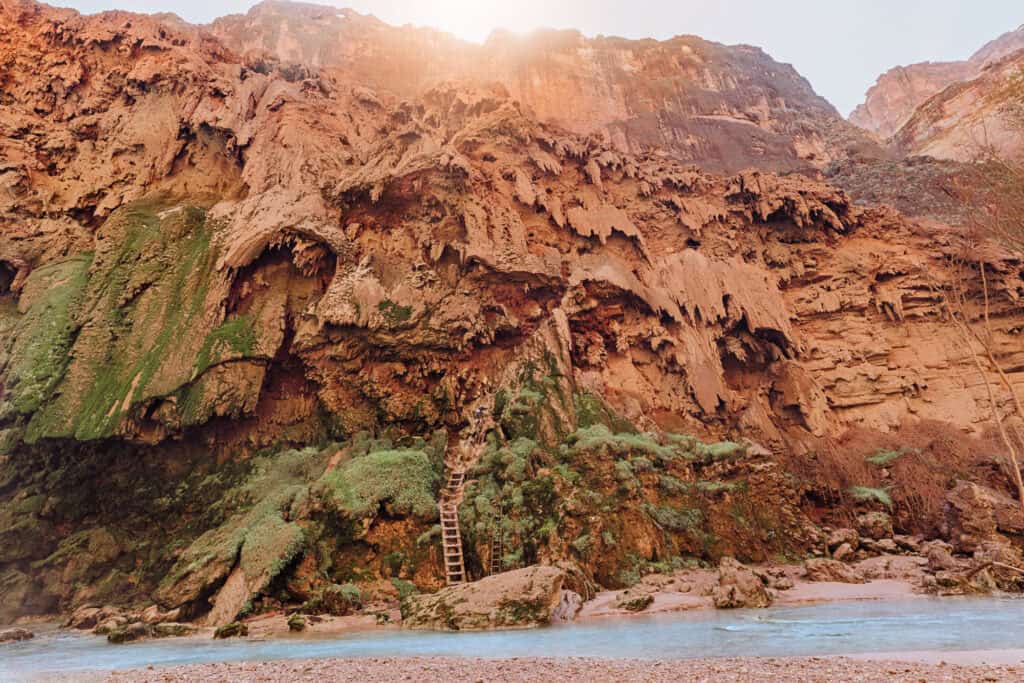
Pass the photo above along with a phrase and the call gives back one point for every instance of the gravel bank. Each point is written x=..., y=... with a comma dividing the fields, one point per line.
x=422, y=670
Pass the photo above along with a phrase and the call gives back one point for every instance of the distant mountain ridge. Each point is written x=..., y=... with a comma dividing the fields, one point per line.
x=892, y=101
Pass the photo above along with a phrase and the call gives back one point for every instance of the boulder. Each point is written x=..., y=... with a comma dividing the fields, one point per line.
x=939, y=558
x=821, y=569
x=887, y=546
x=632, y=602
x=523, y=598
x=15, y=634
x=171, y=629
x=773, y=577
x=843, y=553
x=875, y=525
x=907, y=543
x=128, y=633
x=296, y=622
x=154, y=615
x=84, y=618
x=1005, y=557
x=839, y=537
x=739, y=586
x=577, y=580
x=568, y=607
x=977, y=514
x=335, y=599
x=232, y=630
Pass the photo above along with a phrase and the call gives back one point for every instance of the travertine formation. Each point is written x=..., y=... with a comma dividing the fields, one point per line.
x=247, y=305
x=723, y=107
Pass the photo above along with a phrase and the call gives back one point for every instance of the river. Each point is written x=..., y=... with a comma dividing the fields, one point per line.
x=924, y=624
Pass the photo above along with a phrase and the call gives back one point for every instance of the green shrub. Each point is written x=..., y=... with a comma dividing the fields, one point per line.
x=599, y=437
x=672, y=486
x=582, y=544
x=866, y=494
x=403, y=481
x=884, y=457
x=404, y=588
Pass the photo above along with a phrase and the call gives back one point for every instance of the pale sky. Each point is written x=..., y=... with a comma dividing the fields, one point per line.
x=841, y=46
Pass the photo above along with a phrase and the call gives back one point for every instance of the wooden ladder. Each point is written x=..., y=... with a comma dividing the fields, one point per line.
x=451, y=537
x=496, y=549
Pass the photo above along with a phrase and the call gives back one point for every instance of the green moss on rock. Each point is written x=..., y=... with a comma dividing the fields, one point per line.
x=403, y=481
x=42, y=337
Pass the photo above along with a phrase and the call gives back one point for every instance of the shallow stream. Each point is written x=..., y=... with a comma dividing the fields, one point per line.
x=940, y=624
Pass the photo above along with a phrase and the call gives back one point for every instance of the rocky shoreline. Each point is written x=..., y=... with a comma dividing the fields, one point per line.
x=612, y=670
x=868, y=562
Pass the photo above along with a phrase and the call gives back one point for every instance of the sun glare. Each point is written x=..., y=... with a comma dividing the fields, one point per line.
x=471, y=20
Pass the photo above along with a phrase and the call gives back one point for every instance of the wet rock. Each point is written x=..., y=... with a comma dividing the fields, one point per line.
x=128, y=633
x=739, y=586
x=296, y=622
x=15, y=634
x=171, y=629
x=154, y=615
x=84, y=618
x=875, y=525
x=843, y=553
x=821, y=569
x=568, y=607
x=233, y=630
x=634, y=603
x=839, y=537
x=521, y=598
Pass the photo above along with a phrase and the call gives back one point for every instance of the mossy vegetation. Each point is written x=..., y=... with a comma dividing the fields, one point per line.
x=403, y=481
x=867, y=494
x=393, y=313
x=149, y=282
x=599, y=495
x=234, y=338
x=884, y=457
x=258, y=531
x=41, y=339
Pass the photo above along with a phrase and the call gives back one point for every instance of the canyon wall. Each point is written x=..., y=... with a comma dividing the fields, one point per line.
x=725, y=107
x=248, y=305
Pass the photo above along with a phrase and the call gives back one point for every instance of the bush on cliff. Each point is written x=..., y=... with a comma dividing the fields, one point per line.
x=402, y=481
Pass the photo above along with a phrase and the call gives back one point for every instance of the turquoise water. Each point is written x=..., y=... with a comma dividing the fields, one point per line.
x=839, y=628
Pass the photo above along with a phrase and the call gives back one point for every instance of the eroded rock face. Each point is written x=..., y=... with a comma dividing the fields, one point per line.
x=211, y=262
x=725, y=107
x=523, y=598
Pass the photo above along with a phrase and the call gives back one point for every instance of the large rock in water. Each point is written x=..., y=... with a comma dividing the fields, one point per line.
x=739, y=586
x=524, y=598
